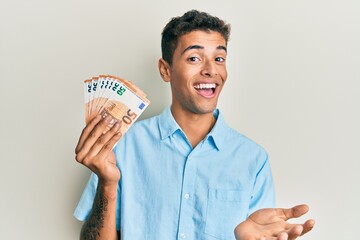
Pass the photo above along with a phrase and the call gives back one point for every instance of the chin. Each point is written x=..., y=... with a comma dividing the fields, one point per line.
x=206, y=110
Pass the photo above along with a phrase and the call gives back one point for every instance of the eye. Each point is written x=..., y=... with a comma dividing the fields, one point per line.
x=194, y=59
x=219, y=59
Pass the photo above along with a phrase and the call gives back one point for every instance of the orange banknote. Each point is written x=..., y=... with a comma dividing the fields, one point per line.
x=114, y=96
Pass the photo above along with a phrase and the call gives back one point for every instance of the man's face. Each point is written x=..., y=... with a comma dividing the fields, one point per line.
x=198, y=72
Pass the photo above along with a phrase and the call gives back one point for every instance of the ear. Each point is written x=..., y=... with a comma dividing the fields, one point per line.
x=164, y=69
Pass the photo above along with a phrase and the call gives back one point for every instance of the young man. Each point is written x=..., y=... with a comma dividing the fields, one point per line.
x=184, y=174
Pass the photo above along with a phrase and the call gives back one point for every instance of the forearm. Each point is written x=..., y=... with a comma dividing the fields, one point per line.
x=101, y=223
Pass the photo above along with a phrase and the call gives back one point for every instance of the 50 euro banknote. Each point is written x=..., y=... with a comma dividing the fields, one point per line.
x=109, y=95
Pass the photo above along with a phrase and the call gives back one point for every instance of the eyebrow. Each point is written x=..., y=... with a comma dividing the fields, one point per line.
x=220, y=47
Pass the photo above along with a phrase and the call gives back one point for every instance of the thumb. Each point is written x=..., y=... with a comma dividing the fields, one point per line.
x=296, y=211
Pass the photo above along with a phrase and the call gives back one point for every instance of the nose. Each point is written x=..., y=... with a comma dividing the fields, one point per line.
x=209, y=69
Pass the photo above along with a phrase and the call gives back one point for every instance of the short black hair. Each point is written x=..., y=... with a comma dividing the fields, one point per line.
x=190, y=21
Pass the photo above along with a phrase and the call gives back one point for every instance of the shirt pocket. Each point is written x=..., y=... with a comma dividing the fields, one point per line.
x=225, y=210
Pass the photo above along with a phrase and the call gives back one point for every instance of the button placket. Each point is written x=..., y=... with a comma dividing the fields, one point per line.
x=186, y=196
x=182, y=236
x=186, y=211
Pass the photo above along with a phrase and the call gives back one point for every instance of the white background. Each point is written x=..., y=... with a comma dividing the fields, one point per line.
x=293, y=87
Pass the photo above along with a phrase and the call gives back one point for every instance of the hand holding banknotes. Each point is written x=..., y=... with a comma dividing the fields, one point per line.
x=112, y=105
x=94, y=149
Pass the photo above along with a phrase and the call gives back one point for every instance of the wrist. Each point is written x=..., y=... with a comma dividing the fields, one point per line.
x=109, y=189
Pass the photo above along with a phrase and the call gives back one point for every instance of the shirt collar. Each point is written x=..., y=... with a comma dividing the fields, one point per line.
x=168, y=126
x=217, y=133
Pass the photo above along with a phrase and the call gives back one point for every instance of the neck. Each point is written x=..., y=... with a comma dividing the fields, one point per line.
x=195, y=126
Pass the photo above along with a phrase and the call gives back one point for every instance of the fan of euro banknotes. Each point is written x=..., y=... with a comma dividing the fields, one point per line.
x=114, y=96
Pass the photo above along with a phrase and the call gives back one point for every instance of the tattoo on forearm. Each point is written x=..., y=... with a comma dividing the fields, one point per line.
x=96, y=221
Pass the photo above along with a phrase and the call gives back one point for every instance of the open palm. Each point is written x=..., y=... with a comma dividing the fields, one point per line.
x=271, y=224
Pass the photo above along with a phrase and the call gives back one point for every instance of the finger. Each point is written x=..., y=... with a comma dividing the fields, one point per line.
x=92, y=137
x=282, y=236
x=103, y=140
x=307, y=226
x=268, y=238
x=85, y=132
x=295, y=231
x=295, y=212
x=108, y=147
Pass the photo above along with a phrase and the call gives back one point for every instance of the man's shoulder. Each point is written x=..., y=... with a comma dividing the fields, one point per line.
x=240, y=139
x=229, y=137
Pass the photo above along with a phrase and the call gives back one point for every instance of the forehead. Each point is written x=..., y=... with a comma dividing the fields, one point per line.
x=210, y=39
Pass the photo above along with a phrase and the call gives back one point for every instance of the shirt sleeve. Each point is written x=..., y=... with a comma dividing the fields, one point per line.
x=85, y=204
x=263, y=191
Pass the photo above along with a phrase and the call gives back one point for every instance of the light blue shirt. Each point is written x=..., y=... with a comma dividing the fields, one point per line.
x=169, y=190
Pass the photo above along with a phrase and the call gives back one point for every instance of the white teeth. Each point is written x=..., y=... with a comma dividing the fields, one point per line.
x=205, y=85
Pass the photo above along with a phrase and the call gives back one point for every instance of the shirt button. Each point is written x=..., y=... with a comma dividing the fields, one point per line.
x=187, y=196
x=182, y=236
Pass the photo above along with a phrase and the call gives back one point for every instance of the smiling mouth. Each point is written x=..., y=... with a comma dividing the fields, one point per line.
x=205, y=89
